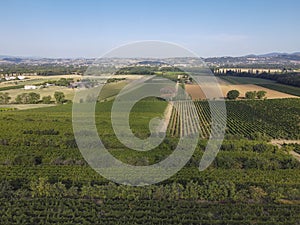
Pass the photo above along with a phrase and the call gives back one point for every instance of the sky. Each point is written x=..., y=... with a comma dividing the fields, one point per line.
x=90, y=28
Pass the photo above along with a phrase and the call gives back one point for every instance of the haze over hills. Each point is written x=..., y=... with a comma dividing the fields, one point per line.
x=275, y=59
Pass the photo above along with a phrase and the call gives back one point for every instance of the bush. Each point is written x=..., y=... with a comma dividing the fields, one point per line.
x=250, y=95
x=233, y=94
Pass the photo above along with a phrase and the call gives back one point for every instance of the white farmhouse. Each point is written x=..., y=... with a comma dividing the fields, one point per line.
x=30, y=87
x=20, y=77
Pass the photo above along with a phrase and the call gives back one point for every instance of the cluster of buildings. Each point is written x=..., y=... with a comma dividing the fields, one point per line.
x=11, y=77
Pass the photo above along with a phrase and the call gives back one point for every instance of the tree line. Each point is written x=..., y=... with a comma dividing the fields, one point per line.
x=234, y=94
x=33, y=98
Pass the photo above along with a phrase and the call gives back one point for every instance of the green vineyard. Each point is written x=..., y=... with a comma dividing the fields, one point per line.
x=82, y=211
x=45, y=180
x=272, y=118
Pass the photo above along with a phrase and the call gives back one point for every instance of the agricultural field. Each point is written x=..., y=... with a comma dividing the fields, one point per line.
x=278, y=119
x=45, y=180
x=31, y=80
x=282, y=88
x=108, y=92
x=245, y=80
x=243, y=85
x=68, y=92
x=268, y=84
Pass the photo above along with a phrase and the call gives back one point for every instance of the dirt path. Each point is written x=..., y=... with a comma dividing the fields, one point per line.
x=279, y=143
x=296, y=155
x=167, y=115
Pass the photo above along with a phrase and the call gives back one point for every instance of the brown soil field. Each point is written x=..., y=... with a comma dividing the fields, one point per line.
x=196, y=93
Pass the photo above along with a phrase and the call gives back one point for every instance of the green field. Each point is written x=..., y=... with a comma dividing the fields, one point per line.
x=44, y=178
x=246, y=80
x=282, y=88
x=273, y=118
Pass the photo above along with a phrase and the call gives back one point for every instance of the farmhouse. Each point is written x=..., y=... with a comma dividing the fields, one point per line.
x=20, y=77
x=30, y=87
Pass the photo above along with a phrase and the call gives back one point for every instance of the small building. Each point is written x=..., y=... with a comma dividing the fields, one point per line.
x=30, y=87
x=20, y=77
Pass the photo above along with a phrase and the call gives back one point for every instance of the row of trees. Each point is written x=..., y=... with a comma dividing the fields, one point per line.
x=33, y=98
x=287, y=78
x=234, y=94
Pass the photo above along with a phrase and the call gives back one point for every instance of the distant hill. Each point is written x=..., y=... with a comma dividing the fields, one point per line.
x=273, y=59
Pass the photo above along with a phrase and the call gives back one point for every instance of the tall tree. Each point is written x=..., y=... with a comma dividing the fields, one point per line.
x=46, y=99
x=59, y=97
x=261, y=94
x=233, y=94
x=4, y=98
x=250, y=95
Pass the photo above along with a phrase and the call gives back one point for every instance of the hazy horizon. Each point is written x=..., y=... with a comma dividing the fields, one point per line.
x=78, y=57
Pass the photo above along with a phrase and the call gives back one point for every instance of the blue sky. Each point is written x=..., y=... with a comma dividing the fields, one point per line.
x=65, y=28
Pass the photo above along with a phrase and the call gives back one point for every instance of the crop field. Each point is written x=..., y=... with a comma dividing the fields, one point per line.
x=44, y=178
x=266, y=84
x=243, y=84
x=108, y=92
x=278, y=119
x=245, y=80
x=283, y=88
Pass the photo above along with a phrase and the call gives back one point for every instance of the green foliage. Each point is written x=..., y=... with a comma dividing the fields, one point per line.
x=63, y=82
x=139, y=70
x=250, y=95
x=44, y=178
x=11, y=87
x=28, y=98
x=27, y=160
x=233, y=94
x=7, y=109
x=283, y=88
x=255, y=120
x=53, y=210
x=261, y=94
x=46, y=99
x=44, y=70
x=4, y=98
x=59, y=97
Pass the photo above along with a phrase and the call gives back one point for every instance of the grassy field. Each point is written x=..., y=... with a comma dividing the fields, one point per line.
x=69, y=92
x=31, y=80
x=108, y=92
x=246, y=80
x=282, y=88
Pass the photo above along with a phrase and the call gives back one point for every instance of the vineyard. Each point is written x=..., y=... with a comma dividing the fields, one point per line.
x=272, y=118
x=82, y=211
x=45, y=180
x=7, y=109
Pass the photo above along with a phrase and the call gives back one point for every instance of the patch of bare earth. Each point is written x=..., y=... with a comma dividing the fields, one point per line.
x=279, y=143
x=196, y=93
